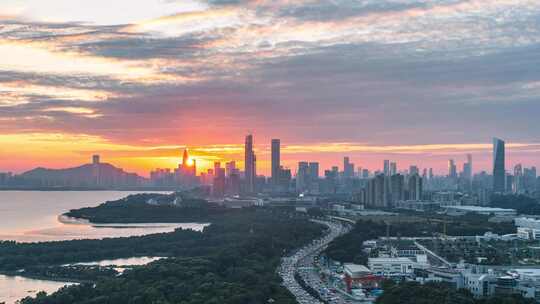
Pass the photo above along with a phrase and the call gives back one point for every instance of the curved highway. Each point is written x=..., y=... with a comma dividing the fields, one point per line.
x=303, y=260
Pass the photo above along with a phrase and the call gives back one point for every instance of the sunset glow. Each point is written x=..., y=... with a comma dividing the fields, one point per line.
x=372, y=80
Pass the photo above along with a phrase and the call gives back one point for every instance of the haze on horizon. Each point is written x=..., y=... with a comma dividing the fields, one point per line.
x=415, y=81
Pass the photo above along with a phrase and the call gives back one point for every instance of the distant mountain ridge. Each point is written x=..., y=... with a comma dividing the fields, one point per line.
x=97, y=175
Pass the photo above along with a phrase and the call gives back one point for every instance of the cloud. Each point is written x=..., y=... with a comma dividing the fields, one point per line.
x=380, y=72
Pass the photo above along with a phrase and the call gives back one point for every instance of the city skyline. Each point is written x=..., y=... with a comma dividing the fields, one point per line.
x=363, y=78
x=355, y=159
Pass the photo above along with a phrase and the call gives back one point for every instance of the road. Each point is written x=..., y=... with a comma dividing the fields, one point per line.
x=302, y=263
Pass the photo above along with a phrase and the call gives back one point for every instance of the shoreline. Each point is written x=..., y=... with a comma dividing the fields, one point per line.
x=74, y=189
x=67, y=281
x=68, y=220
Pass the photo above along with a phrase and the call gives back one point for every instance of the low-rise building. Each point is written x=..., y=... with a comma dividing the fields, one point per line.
x=386, y=266
x=360, y=276
x=419, y=206
x=462, y=210
x=528, y=228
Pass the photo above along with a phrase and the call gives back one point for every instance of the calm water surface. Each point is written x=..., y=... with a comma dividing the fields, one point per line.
x=13, y=289
x=32, y=216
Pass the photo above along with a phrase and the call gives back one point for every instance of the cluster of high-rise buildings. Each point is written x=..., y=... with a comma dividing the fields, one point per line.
x=380, y=188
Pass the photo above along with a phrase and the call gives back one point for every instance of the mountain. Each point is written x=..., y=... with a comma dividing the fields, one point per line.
x=89, y=175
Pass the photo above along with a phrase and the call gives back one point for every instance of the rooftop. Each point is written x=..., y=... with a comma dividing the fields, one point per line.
x=354, y=268
x=390, y=260
x=481, y=209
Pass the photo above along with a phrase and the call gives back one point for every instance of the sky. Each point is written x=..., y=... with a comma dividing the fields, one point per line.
x=137, y=81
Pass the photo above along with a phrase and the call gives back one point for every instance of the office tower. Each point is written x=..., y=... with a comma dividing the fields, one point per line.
x=386, y=169
x=217, y=167
x=452, y=169
x=276, y=159
x=469, y=166
x=518, y=179
x=186, y=173
x=430, y=173
x=509, y=183
x=467, y=172
x=185, y=158
x=365, y=173
x=230, y=168
x=95, y=159
x=314, y=171
x=249, y=164
x=499, y=171
x=413, y=170
x=415, y=187
x=302, y=177
x=465, y=182
x=218, y=189
x=285, y=177
x=529, y=179
x=397, y=183
x=233, y=183
x=348, y=168
x=379, y=194
x=186, y=168
x=393, y=168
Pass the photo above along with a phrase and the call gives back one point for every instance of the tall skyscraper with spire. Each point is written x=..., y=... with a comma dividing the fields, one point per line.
x=276, y=159
x=499, y=171
x=249, y=164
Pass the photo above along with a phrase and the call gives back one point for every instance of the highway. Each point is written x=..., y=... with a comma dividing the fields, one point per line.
x=302, y=263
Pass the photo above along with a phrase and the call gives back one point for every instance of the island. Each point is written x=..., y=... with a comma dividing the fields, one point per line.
x=177, y=207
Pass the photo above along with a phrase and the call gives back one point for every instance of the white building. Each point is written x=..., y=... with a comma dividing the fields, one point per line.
x=355, y=271
x=480, y=285
x=528, y=228
x=391, y=265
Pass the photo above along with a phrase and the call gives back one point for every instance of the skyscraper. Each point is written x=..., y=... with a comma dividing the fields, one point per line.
x=470, y=166
x=397, y=184
x=249, y=164
x=393, y=168
x=314, y=171
x=348, y=168
x=386, y=168
x=276, y=158
x=302, y=177
x=452, y=169
x=499, y=171
x=230, y=168
x=466, y=176
x=518, y=179
x=415, y=187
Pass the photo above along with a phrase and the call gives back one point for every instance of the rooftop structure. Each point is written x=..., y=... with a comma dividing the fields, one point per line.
x=355, y=270
x=460, y=210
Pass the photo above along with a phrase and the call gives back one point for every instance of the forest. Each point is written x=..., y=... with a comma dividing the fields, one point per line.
x=231, y=261
x=152, y=208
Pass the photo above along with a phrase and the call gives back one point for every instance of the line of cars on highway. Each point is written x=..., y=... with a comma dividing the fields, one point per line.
x=302, y=262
